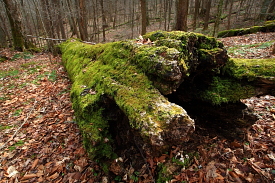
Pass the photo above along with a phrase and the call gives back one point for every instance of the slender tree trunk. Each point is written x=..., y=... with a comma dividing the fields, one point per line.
x=104, y=24
x=264, y=9
x=182, y=12
x=196, y=13
x=143, y=16
x=229, y=15
x=82, y=21
x=15, y=24
x=207, y=14
x=270, y=10
x=218, y=18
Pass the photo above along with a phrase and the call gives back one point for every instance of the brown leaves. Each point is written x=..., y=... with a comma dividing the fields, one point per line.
x=48, y=146
x=258, y=45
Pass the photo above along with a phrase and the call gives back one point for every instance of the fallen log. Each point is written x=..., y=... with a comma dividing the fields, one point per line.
x=120, y=89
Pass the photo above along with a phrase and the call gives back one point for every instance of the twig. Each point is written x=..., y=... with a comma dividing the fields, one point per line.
x=26, y=119
x=147, y=166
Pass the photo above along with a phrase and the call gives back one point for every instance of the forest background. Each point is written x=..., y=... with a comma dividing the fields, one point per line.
x=32, y=24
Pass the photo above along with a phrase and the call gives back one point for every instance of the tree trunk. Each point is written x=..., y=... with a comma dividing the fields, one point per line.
x=82, y=20
x=229, y=15
x=143, y=16
x=15, y=24
x=182, y=12
x=264, y=8
x=104, y=23
x=207, y=14
x=196, y=13
x=218, y=18
x=270, y=11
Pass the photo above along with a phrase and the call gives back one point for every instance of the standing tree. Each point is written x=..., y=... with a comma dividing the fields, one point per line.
x=218, y=18
x=143, y=16
x=229, y=15
x=82, y=22
x=207, y=14
x=182, y=12
x=104, y=23
x=196, y=13
x=15, y=24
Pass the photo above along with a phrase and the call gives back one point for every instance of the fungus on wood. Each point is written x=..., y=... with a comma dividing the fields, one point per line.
x=121, y=90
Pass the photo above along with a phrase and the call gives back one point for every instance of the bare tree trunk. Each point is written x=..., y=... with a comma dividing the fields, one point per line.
x=196, y=13
x=143, y=16
x=104, y=24
x=218, y=18
x=270, y=11
x=229, y=15
x=207, y=14
x=82, y=21
x=264, y=8
x=15, y=24
x=182, y=12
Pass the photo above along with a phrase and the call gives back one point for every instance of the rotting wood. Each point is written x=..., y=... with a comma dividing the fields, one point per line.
x=123, y=85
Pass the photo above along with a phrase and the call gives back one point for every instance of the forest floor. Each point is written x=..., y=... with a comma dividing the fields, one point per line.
x=40, y=141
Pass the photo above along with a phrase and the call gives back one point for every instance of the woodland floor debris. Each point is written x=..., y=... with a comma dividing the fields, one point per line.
x=48, y=148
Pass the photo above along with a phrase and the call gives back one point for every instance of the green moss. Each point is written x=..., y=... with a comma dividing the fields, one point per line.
x=251, y=69
x=132, y=76
x=223, y=90
x=269, y=26
x=106, y=70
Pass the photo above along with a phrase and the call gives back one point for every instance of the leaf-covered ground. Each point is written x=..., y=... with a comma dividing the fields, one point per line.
x=40, y=141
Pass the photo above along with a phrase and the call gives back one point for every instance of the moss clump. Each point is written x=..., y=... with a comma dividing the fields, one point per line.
x=223, y=90
x=251, y=69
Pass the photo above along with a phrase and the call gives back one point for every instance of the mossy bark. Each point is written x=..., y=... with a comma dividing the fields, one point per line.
x=120, y=88
x=269, y=26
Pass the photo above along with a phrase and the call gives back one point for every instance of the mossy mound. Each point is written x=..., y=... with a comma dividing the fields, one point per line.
x=129, y=79
x=119, y=89
x=269, y=26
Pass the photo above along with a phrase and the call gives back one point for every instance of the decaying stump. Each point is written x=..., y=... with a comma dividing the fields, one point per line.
x=119, y=89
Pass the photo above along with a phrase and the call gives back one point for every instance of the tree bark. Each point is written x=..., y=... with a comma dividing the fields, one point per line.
x=15, y=23
x=143, y=16
x=218, y=18
x=182, y=12
x=104, y=23
x=229, y=15
x=82, y=20
x=207, y=15
x=196, y=13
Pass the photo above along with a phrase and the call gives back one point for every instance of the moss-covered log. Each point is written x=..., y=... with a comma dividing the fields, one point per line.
x=135, y=76
x=269, y=26
x=120, y=89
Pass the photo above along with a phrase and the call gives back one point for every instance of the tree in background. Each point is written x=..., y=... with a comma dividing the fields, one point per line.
x=15, y=24
x=143, y=16
x=196, y=13
x=207, y=14
x=218, y=17
x=181, y=17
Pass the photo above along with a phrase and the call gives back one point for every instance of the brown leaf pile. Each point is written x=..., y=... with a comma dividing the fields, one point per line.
x=258, y=45
x=40, y=141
